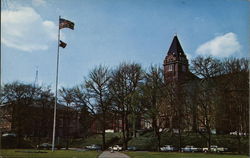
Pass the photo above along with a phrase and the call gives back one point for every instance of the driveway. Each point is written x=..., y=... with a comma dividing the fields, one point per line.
x=108, y=154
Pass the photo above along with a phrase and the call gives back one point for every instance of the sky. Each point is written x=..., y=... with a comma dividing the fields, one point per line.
x=108, y=32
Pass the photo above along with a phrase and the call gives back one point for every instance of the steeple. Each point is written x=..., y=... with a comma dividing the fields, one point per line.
x=175, y=48
x=175, y=63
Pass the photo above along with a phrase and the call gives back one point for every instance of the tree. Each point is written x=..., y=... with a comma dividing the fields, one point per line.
x=152, y=92
x=86, y=120
x=98, y=90
x=207, y=68
x=175, y=100
x=67, y=97
x=123, y=87
x=86, y=110
x=20, y=97
x=44, y=113
x=136, y=108
x=234, y=92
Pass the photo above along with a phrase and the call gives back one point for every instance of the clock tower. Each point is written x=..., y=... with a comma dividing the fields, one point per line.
x=175, y=63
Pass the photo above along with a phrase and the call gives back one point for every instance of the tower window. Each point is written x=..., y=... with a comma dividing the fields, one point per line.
x=170, y=67
x=183, y=68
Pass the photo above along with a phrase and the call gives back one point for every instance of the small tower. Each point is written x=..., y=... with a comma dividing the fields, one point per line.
x=36, y=77
x=175, y=63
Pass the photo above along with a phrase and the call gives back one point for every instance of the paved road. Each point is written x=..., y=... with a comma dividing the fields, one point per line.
x=108, y=154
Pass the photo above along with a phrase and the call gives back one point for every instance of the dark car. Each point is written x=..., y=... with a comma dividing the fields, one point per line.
x=48, y=146
x=45, y=146
x=190, y=148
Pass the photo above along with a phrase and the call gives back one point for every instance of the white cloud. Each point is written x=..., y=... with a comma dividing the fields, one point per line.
x=38, y=2
x=24, y=29
x=221, y=46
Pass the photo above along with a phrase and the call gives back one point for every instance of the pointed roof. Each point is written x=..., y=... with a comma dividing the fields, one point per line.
x=175, y=48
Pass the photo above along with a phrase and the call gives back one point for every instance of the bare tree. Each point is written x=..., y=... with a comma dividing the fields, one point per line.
x=175, y=100
x=136, y=109
x=153, y=98
x=86, y=110
x=207, y=68
x=67, y=97
x=234, y=92
x=124, y=83
x=44, y=113
x=98, y=91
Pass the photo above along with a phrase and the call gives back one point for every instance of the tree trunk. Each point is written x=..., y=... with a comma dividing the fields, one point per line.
x=171, y=123
x=209, y=139
x=157, y=133
x=103, y=132
x=18, y=134
x=180, y=141
x=239, y=142
x=159, y=141
x=123, y=131
x=194, y=123
x=103, y=139
x=67, y=130
x=179, y=129
x=67, y=143
x=134, y=122
x=127, y=131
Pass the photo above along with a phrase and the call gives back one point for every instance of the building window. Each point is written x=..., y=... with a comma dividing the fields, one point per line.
x=170, y=67
x=183, y=68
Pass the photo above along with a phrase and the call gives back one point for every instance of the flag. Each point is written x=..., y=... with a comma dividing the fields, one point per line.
x=63, y=23
x=62, y=44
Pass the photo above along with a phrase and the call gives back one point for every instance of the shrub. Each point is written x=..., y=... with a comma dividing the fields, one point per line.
x=10, y=142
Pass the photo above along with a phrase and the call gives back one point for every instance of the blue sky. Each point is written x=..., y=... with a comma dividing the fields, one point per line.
x=112, y=31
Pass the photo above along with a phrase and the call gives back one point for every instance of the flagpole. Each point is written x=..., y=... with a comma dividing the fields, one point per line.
x=0, y=71
x=57, y=67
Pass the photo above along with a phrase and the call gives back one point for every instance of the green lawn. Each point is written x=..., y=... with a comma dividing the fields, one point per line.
x=49, y=154
x=179, y=155
x=95, y=139
x=94, y=154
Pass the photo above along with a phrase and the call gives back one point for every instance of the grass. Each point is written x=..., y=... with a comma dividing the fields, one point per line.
x=180, y=155
x=94, y=154
x=95, y=139
x=57, y=154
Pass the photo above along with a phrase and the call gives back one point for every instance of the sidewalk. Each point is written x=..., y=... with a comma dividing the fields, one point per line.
x=108, y=154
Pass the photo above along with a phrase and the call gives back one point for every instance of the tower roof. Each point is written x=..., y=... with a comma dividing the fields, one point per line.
x=175, y=48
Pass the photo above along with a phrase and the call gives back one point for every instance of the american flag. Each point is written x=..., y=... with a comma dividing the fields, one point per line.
x=63, y=23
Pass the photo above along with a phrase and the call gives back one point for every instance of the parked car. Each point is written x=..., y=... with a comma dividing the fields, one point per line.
x=222, y=149
x=215, y=148
x=190, y=148
x=116, y=148
x=93, y=147
x=132, y=148
x=9, y=135
x=168, y=148
x=45, y=146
